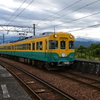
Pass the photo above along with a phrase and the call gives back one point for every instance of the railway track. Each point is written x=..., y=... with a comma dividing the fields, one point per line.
x=74, y=88
x=94, y=83
x=53, y=92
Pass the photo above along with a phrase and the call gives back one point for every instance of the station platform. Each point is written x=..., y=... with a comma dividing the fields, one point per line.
x=10, y=88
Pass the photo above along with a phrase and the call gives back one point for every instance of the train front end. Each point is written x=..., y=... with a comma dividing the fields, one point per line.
x=60, y=49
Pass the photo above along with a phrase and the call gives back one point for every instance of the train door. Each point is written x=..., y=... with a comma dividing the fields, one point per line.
x=45, y=49
x=48, y=54
x=63, y=46
x=12, y=50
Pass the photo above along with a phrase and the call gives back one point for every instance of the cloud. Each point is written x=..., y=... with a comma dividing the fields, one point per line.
x=61, y=15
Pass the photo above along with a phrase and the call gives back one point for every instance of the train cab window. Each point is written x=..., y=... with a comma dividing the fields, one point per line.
x=62, y=44
x=71, y=44
x=53, y=44
x=33, y=46
x=40, y=45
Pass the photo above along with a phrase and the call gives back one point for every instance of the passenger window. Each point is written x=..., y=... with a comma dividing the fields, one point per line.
x=37, y=45
x=24, y=47
x=46, y=45
x=28, y=46
x=33, y=46
x=9, y=48
x=40, y=45
x=53, y=44
x=62, y=45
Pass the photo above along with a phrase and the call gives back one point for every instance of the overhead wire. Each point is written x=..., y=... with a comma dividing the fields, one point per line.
x=15, y=12
x=78, y=18
x=12, y=15
x=85, y=27
x=77, y=9
x=60, y=10
x=20, y=13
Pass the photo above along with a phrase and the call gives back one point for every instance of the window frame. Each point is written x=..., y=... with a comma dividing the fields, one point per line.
x=71, y=44
x=62, y=47
x=55, y=46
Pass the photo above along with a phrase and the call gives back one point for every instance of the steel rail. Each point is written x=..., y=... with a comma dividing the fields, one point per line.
x=23, y=83
x=67, y=96
x=93, y=86
x=84, y=76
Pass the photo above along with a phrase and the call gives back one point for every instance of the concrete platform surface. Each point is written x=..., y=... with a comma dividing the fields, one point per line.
x=10, y=88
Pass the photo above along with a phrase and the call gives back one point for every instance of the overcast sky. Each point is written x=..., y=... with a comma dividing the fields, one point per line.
x=73, y=16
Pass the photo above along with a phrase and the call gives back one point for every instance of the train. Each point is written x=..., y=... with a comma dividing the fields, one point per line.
x=51, y=50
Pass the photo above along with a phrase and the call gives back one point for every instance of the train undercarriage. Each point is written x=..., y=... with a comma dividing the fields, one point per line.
x=41, y=64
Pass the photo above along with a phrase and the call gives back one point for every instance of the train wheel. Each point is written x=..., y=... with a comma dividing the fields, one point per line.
x=40, y=64
x=47, y=66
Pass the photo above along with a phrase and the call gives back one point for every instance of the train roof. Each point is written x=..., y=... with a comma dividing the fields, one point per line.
x=32, y=37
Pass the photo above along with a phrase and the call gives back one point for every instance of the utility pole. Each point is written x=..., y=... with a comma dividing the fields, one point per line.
x=33, y=29
x=3, y=38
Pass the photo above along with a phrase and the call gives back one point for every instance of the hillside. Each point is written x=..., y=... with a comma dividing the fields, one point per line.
x=84, y=42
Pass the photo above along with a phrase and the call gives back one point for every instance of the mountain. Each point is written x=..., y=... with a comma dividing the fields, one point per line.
x=84, y=42
x=87, y=39
x=78, y=41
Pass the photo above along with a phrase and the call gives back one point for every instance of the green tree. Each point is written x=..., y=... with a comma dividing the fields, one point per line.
x=81, y=51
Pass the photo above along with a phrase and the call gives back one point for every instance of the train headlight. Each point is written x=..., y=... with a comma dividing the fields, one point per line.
x=55, y=35
x=63, y=54
x=71, y=36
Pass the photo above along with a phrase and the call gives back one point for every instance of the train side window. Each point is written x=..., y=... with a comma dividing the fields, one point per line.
x=62, y=45
x=33, y=46
x=40, y=45
x=2, y=48
x=29, y=46
x=46, y=45
x=24, y=46
x=37, y=45
x=9, y=48
x=12, y=47
x=53, y=44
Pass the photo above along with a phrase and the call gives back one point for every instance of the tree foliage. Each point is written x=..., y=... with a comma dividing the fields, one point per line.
x=93, y=50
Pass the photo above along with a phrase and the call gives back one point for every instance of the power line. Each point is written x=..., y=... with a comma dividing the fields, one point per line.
x=79, y=18
x=85, y=28
x=77, y=9
x=15, y=12
x=20, y=12
x=60, y=11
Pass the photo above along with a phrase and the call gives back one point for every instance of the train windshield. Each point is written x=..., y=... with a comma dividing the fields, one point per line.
x=62, y=44
x=71, y=44
x=53, y=44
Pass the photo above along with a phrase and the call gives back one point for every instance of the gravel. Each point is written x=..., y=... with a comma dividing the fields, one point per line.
x=78, y=90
